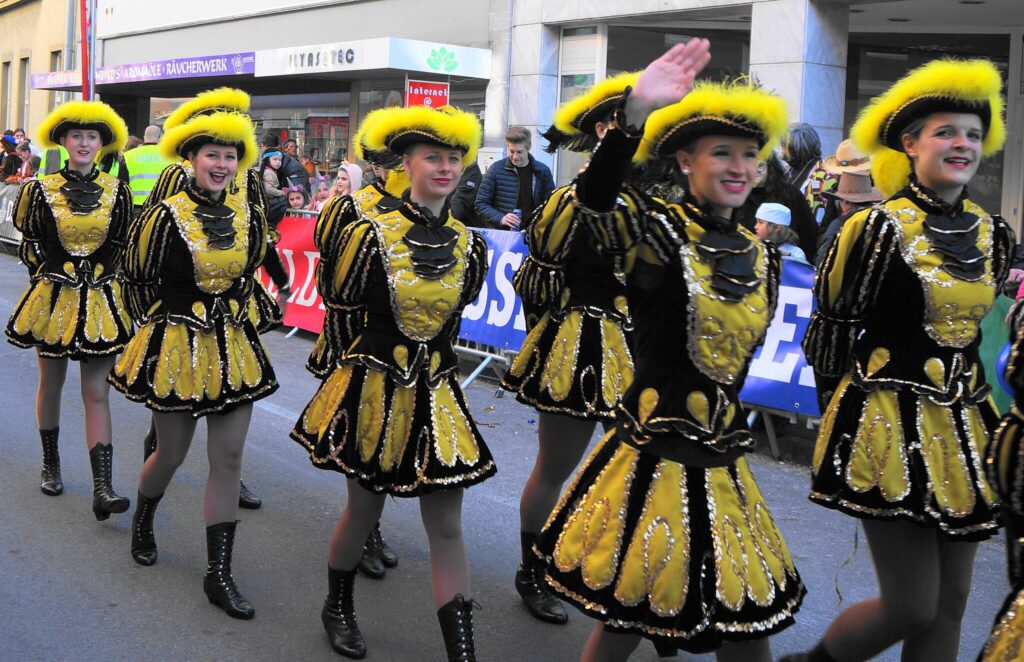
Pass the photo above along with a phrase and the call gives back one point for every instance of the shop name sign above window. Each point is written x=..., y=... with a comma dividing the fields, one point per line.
x=313, y=60
x=379, y=53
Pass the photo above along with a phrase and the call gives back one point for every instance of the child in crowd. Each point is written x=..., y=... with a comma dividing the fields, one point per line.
x=321, y=187
x=268, y=172
x=297, y=198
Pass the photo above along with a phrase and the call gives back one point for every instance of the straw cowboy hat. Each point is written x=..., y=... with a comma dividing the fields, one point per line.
x=848, y=159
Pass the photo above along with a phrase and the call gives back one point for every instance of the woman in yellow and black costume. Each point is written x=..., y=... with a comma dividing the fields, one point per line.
x=1005, y=472
x=342, y=323
x=73, y=224
x=663, y=533
x=894, y=345
x=188, y=281
x=391, y=415
x=263, y=310
x=340, y=211
x=575, y=363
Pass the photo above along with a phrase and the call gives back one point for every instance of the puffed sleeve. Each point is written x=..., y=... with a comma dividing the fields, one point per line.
x=846, y=287
x=345, y=275
x=627, y=224
x=549, y=238
x=28, y=211
x=476, y=269
x=120, y=220
x=257, y=196
x=171, y=181
x=336, y=215
x=773, y=278
x=1003, y=243
x=142, y=263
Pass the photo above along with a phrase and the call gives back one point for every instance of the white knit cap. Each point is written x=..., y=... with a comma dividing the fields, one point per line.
x=773, y=212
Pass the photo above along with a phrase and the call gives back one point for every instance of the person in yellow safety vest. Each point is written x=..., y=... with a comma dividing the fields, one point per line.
x=53, y=160
x=144, y=166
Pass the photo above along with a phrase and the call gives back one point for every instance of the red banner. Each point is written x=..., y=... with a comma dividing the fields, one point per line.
x=305, y=307
x=426, y=93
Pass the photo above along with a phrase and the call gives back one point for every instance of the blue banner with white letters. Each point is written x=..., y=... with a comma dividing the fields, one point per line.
x=496, y=317
x=779, y=377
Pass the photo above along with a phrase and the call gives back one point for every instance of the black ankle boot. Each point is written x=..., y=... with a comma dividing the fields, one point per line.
x=51, y=483
x=339, y=615
x=376, y=543
x=218, y=583
x=246, y=499
x=143, y=540
x=104, y=501
x=149, y=443
x=370, y=563
x=537, y=596
x=456, y=620
x=533, y=589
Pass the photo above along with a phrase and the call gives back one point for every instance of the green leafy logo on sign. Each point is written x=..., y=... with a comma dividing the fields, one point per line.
x=442, y=59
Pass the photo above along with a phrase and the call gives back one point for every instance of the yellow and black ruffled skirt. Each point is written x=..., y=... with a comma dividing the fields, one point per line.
x=176, y=367
x=71, y=321
x=1006, y=642
x=896, y=454
x=687, y=556
x=404, y=441
x=578, y=365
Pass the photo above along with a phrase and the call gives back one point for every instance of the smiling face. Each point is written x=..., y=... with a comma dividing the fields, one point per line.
x=722, y=171
x=947, y=152
x=82, y=146
x=433, y=171
x=215, y=166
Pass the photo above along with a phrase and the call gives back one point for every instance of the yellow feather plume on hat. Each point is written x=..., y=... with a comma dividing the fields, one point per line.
x=735, y=105
x=954, y=82
x=362, y=151
x=222, y=128
x=568, y=116
x=221, y=99
x=84, y=114
x=394, y=128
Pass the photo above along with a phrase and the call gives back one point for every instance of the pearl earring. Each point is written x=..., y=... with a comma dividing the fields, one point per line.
x=686, y=171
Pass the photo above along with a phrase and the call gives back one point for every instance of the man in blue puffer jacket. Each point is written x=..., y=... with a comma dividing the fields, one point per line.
x=515, y=182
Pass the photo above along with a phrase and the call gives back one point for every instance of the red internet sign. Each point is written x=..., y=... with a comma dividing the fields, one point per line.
x=426, y=93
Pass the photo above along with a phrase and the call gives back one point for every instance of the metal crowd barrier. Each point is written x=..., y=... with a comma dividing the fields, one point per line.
x=488, y=357
x=8, y=234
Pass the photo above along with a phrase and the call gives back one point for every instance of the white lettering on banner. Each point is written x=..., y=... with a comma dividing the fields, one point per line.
x=500, y=316
x=765, y=365
x=307, y=295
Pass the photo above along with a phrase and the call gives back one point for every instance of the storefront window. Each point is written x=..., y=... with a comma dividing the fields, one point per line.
x=876, y=61
x=633, y=48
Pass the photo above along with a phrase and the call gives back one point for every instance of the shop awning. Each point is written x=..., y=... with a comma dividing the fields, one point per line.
x=277, y=70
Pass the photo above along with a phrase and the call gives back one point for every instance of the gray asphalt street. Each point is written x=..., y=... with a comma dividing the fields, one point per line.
x=69, y=589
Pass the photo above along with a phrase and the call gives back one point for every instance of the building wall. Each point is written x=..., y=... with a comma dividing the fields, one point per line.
x=31, y=29
x=465, y=23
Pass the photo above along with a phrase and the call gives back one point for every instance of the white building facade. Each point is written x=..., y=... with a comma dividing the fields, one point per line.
x=314, y=67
